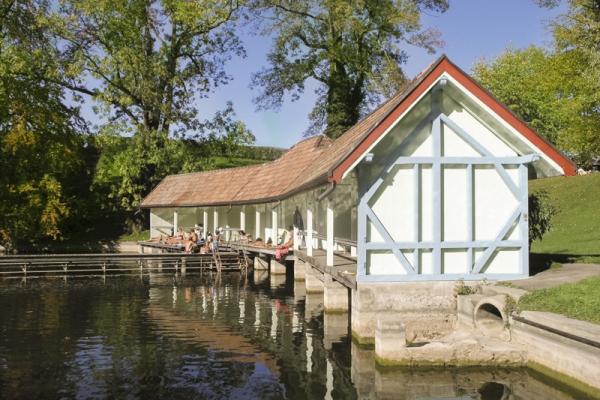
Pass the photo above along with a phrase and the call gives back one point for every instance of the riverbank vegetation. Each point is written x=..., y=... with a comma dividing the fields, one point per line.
x=574, y=300
x=575, y=233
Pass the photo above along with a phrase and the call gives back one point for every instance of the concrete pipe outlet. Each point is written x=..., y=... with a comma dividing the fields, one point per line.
x=490, y=318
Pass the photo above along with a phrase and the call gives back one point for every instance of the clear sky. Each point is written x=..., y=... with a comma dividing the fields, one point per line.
x=470, y=28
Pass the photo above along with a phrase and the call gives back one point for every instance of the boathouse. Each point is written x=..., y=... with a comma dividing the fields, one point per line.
x=432, y=185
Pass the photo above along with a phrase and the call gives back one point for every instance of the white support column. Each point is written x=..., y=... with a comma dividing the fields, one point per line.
x=309, y=230
x=175, y=222
x=243, y=218
x=296, y=238
x=274, y=224
x=227, y=232
x=329, y=234
x=257, y=223
x=195, y=217
x=205, y=223
x=215, y=219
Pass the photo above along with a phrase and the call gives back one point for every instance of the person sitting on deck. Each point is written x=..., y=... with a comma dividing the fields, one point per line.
x=243, y=237
x=191, y=244
x=283, y=249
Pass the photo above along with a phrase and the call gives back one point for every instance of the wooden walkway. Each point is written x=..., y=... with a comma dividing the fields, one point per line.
x=343, y=269
x=27, y=265
x=260, y=251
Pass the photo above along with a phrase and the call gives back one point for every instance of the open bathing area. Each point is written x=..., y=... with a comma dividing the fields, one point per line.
x=389, y=262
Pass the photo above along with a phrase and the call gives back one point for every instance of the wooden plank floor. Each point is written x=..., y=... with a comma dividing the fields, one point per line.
x=343, y=269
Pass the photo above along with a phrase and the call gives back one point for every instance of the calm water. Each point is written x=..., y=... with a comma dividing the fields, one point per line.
x=201, y=337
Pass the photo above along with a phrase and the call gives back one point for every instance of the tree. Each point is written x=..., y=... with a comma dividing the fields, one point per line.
x=145, y=63
x=556, y=90
x=351, y=47
x=40, y=138
x=547, y=90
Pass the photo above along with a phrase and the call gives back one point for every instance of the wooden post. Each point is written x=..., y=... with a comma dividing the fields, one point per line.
x=329, y=234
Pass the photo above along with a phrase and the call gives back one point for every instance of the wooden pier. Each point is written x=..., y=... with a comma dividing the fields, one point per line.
x=62, y=264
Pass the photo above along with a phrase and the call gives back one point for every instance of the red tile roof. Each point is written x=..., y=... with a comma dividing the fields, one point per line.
x=316, y=161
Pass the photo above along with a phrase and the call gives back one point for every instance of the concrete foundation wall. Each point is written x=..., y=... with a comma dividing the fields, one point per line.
x=428, y=308
x=561, y=354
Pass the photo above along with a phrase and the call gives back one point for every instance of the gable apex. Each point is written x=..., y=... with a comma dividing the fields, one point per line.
x=515, y=132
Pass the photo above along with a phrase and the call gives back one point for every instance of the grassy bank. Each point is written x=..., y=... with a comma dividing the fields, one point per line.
x=574, y=300
x=575, y=236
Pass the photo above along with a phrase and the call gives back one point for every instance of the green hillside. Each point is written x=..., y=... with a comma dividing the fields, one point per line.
x=575, y=236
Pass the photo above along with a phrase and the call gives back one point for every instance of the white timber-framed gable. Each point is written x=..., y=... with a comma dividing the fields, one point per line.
x=443, y=192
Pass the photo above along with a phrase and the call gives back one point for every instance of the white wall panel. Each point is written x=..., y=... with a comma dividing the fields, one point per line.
x=426, y=206
x=504, y=261
x=454, y=261
x=425, y=262
x=454, y=211
x=480, y=133
x=455, y=146
x=384, y=263
x=394, y=204
x=494, y=202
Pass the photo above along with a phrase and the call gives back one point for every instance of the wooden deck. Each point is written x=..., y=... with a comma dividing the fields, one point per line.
x=343, y=270
x=261, y=251
x=168, y=248
x=15, y=265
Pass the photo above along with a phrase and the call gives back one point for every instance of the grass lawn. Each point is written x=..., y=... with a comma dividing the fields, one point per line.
x=574, y=300
x=135, y=236
x=575, y=236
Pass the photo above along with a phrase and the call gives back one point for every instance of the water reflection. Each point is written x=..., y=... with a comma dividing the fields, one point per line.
x=207, y=337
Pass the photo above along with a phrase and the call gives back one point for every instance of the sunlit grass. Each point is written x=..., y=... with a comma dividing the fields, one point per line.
x=575, y=300
x=135, y=236
x=576, y=227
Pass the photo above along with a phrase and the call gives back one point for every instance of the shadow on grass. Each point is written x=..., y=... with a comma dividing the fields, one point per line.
x=539, y=262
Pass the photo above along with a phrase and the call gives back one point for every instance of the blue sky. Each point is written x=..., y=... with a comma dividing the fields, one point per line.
x=471, y=29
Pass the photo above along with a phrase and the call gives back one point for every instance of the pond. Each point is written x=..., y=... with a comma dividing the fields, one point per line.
x=209, y=337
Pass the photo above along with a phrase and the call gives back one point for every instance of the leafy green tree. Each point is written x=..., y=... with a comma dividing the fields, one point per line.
x=556, y=90
x=351, y=47
x=541, y=212
x=41, y=157
x=145, y=63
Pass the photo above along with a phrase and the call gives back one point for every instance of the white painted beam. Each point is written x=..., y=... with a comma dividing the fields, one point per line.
x=309, y=230
x=175, y=221
x=329, y=234
x=205, y=223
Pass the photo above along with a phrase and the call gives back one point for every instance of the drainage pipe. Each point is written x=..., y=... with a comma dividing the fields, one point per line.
x=327, y=192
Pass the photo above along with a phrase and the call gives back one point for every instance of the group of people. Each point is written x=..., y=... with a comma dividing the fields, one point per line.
x=190, y=240
x=280, y=249
x=193, y=244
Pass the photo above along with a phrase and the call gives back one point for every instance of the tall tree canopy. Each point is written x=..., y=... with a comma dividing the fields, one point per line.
x=145, y=63
x=351, y=47
x=40, y=141
x=557, y=90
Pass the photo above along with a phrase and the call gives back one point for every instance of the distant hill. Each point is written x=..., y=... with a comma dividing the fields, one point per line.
x=575, y=235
